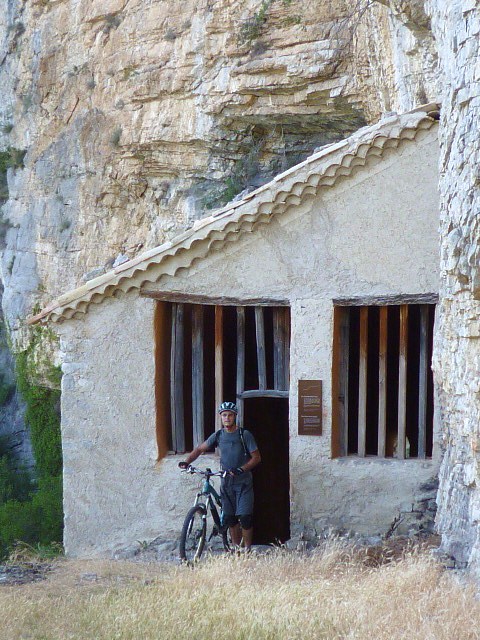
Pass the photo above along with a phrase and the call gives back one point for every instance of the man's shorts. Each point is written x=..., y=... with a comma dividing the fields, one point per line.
x=237, y=496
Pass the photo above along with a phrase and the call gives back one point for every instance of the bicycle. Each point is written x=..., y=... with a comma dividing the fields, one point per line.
x=194, y=530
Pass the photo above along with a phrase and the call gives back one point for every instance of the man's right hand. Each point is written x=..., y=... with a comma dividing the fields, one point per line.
x=183, y=464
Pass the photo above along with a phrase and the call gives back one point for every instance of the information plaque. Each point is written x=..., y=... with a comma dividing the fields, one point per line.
x=309, y=407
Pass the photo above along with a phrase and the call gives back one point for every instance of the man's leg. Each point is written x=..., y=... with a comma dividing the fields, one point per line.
x=229, y=500
x=247, y=537
x=236, y=534
x=245, y=511
x=246, y=522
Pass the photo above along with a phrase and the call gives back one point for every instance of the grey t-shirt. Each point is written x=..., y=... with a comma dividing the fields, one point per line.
x=232, y=453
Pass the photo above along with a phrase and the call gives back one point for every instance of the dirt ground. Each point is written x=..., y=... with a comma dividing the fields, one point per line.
x=64, y=573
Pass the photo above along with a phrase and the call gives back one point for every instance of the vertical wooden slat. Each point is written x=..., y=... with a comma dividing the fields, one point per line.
x=176, y=379
x=382, y=382
x=198, y=418
x=344, y=366
x=260, y=335
x=285, y=319
x=218, y=361
x=240, y=361
x=402, y=383
x=362, y=383
x=162, y=331
x=277, y=351
x=422, y=383
x=280, y=338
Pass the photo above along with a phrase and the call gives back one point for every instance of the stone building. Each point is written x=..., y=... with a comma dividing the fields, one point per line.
x=311, y=302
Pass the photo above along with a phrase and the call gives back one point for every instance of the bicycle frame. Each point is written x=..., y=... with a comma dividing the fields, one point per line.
x=210, y=493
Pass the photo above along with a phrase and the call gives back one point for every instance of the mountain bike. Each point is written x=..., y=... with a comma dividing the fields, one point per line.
x=194, y=530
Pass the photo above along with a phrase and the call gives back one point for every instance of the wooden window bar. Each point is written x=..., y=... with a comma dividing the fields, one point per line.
x=362, y=383
x=218, y=362
x=382, y=381
x=260, y=336
x=240, y=361
x=402, y=383
x=198, y=417
x=423, y=381
x=344, y=363
x=176, y=378
x=281, y=347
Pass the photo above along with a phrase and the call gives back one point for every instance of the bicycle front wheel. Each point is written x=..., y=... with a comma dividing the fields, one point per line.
x=194, y=534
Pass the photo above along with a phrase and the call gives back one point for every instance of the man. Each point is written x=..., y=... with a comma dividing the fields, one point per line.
x=239, y=454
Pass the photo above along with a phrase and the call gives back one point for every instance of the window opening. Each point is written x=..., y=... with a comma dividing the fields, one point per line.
x=382, y=381
x=206, y=353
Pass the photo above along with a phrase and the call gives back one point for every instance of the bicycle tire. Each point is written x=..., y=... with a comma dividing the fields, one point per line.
x=194, y=534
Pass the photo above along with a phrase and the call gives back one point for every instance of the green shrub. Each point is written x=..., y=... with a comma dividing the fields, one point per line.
x=14, y=484
x=13, y=158
x=43, y=417
x=251, y=28
x=47, y=504
x=32, y=512
x=28, y=514
x=17, y=522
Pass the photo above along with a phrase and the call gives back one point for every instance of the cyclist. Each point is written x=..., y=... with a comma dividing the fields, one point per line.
x=239, y=454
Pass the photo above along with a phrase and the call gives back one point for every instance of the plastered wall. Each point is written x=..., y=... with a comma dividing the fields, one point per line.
x=373, y=233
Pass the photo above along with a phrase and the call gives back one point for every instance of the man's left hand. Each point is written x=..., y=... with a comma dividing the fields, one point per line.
x=237, y=471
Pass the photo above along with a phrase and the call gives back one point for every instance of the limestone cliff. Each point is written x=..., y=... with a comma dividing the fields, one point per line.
x=456, y=26
x=137, y=117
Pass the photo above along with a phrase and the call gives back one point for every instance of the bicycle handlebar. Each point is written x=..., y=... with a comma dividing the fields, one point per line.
x=208, y=473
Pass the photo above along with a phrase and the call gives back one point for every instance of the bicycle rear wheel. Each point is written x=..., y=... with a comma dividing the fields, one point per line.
x=194, y=533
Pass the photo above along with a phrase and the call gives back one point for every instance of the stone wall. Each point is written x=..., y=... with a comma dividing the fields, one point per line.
x=114, y=493
x=456, y=26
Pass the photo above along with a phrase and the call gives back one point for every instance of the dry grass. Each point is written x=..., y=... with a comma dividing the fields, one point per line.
x=334, y=594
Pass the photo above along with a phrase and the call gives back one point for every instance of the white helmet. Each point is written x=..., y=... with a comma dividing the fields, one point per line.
x=228, y=406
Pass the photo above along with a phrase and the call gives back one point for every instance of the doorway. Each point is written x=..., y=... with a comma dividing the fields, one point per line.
x=209, y=353
x=267, y=419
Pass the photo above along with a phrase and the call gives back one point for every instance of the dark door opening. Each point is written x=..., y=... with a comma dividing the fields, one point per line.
x=267, y=419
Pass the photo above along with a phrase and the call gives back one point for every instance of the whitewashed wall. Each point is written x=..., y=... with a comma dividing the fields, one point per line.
x=373, y=233
x=114, y=493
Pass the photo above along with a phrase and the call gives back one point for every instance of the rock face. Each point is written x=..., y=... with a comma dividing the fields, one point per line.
x=14, y=438
x=138, y=117
x=457, y=361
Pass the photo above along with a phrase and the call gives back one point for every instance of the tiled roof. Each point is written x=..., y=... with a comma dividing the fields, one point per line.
x=322, y=169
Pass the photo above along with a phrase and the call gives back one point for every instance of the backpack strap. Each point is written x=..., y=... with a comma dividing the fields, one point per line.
x=246, y=451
